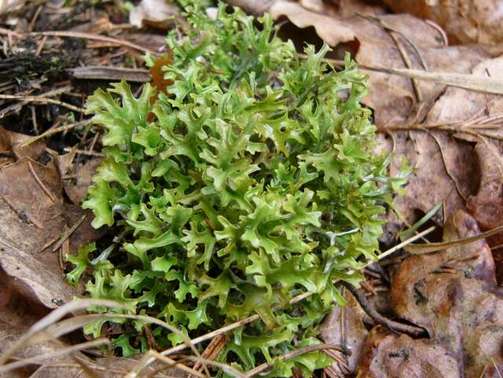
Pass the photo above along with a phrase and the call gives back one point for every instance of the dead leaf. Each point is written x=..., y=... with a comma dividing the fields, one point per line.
x=76, y=177
x=31, y=211
x=347, y=8
x=462, y=106
x=487, y=205
x=388, y=355
x=443, y=171
x=331, y=30
x=16, y=317
x=451, y=294
x=11, y=142
x=157, y=13
x=479, y=21
x=85, y=233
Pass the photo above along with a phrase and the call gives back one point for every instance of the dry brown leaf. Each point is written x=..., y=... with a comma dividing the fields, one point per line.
x=451, y=294
x=463, y=106
x=76, y=177
x=443, y=171
x=11, y=142
x=31, y=211
x=487, y=205
x=16, y=316
x=331, y=30
x=346, y=8
x=388, y=355
x=465, y=21
x=157, y=13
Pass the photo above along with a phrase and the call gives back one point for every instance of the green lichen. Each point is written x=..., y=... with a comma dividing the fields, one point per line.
x=252, y=180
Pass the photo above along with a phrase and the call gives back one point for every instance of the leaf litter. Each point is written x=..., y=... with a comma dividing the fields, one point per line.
x=450, y=136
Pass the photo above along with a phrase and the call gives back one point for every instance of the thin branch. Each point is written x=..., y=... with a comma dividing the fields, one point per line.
x=294, y=353
x=68, y=233
x=372, y=312
x=40, y=183
x=94, y=37
x=42, y=100
x=419, y=249
x=139, y=75
x=171, y=363
x=465, y=81
x=53, y=131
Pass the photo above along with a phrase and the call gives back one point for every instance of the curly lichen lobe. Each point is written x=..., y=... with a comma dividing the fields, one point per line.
x=250, y=180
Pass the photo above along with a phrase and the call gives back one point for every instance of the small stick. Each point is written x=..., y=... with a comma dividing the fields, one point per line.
x=378, y=318
x=94, y=37
x=42, y=100
x=40, y=183
x=294, y=353
x=68, y=233
x=84, y=152
x=54, y=130
x=212, y=350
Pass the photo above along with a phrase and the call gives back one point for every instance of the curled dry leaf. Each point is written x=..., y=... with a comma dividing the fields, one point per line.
x=76, y=177
x=388, y=355
x=487, y=205
x=452, y=295
x=157, y=13
x=443, y=171
x=31, y=208
x=465, y=21
x=16, y=316
x=12, y=146
x=331, y=30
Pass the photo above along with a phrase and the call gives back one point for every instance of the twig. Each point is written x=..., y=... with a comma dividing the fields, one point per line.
x=138, y=75
x=83, y=152
x=465, y=81
x=41, y=184
x=294, y=353
x=34, y=18
x=9, y=32
x=42, y=100
x=372, y=312
x=435, y=247
x=53, y=131
x=403, y=244
x=229, y=370
x=94, y=37
x=172, y=363
x=212, y=350
x=68, y=233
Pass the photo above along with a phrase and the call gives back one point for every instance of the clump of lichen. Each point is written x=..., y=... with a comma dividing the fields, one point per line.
x=251, y=180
